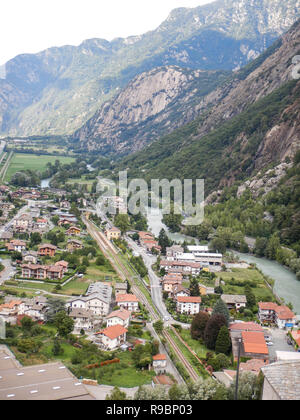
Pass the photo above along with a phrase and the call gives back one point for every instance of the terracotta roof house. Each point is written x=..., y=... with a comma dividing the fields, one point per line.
x=269, y=312
x=121, y=317
x=254, y=345
x=112, y=337
x=189, y=305
x=159, y=361
x=128, y=301
x=47, y=250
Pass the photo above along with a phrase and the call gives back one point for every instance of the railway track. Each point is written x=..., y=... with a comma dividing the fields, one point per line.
x=191, y=371
x=118, y=265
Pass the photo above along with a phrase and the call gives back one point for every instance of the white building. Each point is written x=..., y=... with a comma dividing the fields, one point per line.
x=120, y=317
x=129, y=302
x=95, y=302
x=189, y=305
x=112, y=337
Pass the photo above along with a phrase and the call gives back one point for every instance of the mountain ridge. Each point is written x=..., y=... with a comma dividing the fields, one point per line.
x=58, y=90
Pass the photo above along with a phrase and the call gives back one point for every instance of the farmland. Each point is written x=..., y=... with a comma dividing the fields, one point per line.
x=23, y=161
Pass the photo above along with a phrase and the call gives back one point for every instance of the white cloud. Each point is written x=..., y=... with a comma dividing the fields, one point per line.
x=29, y=26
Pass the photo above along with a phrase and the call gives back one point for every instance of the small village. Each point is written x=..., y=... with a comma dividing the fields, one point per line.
x=121, y=309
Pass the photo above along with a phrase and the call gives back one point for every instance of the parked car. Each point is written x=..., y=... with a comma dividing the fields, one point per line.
x=269, y=343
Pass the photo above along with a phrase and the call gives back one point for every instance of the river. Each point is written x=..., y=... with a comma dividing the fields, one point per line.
x=45, y=183
x=286, y=284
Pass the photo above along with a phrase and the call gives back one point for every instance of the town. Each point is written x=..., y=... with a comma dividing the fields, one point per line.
x=108, y=310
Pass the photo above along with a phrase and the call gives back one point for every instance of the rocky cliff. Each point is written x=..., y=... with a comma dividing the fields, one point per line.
x=64, y=87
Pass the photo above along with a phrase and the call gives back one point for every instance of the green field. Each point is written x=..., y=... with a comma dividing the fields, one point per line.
x=23, y=161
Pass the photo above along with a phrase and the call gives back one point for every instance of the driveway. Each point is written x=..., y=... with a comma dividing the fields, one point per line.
x=280, y=343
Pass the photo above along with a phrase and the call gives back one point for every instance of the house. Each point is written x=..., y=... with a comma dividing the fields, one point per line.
x=36, y=312
x=236, y=329
x=22, y=224
x=271, y=313
x=97, y=303
x=254, y=345
x=73, y=231
x=73, y=244
x=112, y=337
x=10, y=311
x=16, y=245
x=83, y=319
x=159, y=362
x=42, y=272
x=186, y=268
x=234, y=301
x=173, y=251
x=113, y=233
x=41, y=223
x=168, y=286
x=47, y=250
x=121, y=289
x=206, y=290
x=281, y=381
x=179, y=291
x=30, y=257
x=189, y=305
x=129, y=302
x=120, y=317
x=63, y=264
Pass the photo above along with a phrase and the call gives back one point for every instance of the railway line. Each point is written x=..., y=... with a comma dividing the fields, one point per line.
x=191, y=371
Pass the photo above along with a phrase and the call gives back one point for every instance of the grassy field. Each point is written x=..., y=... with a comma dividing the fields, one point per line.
x=242, y=276
x=23, y=161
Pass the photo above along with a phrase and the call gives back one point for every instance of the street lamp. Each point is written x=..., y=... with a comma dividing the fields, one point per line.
x=238, y=371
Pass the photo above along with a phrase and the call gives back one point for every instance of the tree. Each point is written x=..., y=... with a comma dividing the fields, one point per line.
x=27, y=323
x=249, y=387
x=215, y=323
x=57, y=348
x=198, y=325
x=63, y=323
x=100, y=260
x=35, y=239
x=55, y=305
x=194, y=287
x=158, y=326
x=223, y=343
x=116, y=395
x=251, y=299
x=221, y=308
x=163, y=241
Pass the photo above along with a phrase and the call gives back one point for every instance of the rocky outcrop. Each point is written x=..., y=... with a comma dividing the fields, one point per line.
x=153, y=104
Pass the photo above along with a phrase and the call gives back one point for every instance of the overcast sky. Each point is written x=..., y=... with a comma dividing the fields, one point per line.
x=29, y=26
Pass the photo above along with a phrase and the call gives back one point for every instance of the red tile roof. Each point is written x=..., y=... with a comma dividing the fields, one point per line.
x=113, y=332
x=254, y=342
x=189, y=299
x=160, y=357
x=246, y=326
x=121, y=313
x=127, y=298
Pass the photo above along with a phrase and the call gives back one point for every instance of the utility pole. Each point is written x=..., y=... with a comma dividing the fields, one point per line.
x=238, y=371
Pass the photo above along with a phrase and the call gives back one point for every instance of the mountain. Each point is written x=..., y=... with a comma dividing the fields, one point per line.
x=58, y=90
x=154, y=103
x=253, y=126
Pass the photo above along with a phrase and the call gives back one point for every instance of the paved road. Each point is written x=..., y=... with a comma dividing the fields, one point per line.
x=8, y=272
x=156, y=291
